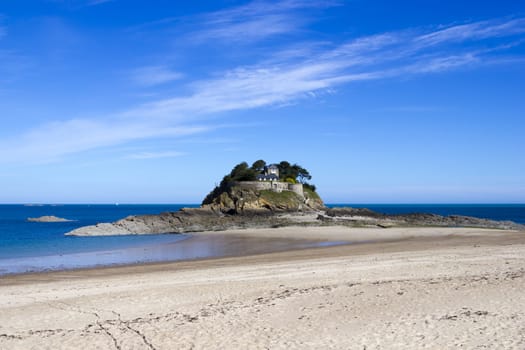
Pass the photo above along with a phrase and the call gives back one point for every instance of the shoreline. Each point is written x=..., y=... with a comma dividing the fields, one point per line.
x=358, y=241
x=183, y=247
x=446, y=289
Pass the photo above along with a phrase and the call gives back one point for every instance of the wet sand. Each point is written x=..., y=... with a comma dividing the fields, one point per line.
x=414, y=288
x=183, y=247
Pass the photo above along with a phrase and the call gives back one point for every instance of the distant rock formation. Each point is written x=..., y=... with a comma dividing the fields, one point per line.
x=48, y=218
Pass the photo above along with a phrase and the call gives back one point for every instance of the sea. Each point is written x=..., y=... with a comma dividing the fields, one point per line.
x=38, y=247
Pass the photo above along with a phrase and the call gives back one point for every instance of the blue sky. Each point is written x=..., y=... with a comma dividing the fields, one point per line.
x=106, y=101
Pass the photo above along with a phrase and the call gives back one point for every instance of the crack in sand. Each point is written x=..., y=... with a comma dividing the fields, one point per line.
x=11, y=336
x=136, y=331
x=466, y=312
x=118, y=322
x=100, y=322
x=227, y=306
x=109, y=334
x=144, y=339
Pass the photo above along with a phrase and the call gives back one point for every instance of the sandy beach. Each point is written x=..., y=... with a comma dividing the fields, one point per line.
x=397, y=288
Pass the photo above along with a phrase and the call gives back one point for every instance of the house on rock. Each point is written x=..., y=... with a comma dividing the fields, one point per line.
x=271, y=173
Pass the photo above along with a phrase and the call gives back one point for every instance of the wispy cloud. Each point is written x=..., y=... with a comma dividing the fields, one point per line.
x=76, y=4
x=387, y=55
x=13, y=66
x=255, y=21
x=439, y=64
x=51, y=142
x=474, y=31
x=97, y=2
x=3, y=28
x=273, y=81
x=155, y=155
x=155, y=75
x=408, y=109
x=255, y=29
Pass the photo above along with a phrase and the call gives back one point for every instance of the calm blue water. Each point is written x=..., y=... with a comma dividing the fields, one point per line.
x=500, y=212
x=29, y=246
x=20, y=238
x=36, y=247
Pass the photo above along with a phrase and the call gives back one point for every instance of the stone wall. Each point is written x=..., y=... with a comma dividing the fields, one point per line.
x=297, y=188
x=276, y=186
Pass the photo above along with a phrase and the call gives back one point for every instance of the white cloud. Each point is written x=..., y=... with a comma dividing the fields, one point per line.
x=268, y=83
x=78, y=4
x=3, y=28
x=439, y=64
x=255, y=29
x=155, y=75
x=408, y=109
x=155, y=155
x=380, y=56
x=52, y=141
x=256, y=20
x=97, y=2
x=248, y=23
x=474, y=31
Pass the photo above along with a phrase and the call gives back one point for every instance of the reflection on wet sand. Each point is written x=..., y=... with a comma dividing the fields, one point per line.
x=183, y=247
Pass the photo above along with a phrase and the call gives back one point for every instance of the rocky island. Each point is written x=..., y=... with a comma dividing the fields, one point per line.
x=267, y=196
x=48, y=218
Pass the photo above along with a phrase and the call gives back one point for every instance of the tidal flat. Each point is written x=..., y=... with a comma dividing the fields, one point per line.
x=410, y=288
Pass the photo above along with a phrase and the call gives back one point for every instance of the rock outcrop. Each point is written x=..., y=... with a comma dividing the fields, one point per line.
x=367, y=217
x=48, y=218
x=209, y=219
x=238, y=197
x=235, y=205
x=183, y=221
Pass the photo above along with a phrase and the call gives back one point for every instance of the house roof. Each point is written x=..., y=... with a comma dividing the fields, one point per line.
x=267, y=177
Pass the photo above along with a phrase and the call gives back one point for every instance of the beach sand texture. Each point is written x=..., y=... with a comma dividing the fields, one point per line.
x=442, y=288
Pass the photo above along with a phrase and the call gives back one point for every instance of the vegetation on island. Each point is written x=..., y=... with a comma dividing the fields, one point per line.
x=288, y=172
x=292, y=173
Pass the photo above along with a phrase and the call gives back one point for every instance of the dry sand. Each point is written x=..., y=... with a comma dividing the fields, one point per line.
x=437, y=288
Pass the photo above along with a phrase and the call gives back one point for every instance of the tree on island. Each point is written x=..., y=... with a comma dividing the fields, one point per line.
x=259, y=165
x=293, y=173
x=241, y=172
